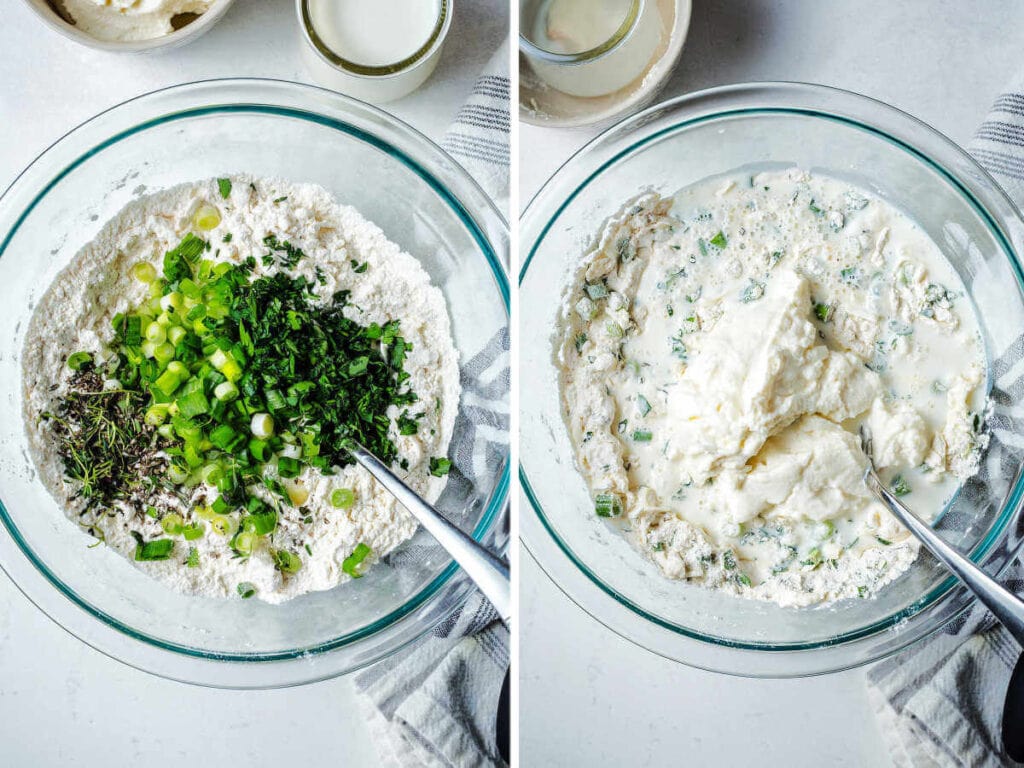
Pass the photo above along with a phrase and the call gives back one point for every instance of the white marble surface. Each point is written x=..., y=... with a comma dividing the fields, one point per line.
x=587, y=696
x=61, y=703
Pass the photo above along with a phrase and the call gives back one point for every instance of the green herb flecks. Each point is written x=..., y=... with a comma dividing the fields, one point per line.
x=643, y=406
x=900, y=486
x=823, y=312
x=288, y=255
x=224, y=185
x=752, y=292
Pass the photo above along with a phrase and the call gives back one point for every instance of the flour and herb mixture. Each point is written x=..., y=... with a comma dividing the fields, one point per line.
x=720, y=351
x=193, y=378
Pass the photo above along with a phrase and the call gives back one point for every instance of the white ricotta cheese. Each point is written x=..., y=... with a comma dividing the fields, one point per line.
x=127, y=20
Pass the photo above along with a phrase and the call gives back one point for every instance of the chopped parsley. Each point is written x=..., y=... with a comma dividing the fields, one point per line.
x=719, y=240
x=224, y=185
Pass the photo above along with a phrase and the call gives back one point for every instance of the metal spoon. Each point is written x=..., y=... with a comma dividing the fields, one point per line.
x=1006, y=606
x=488, y=571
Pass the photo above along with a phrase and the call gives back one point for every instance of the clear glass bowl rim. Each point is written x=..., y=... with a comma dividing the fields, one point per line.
x=329, y=109
x=811, y=100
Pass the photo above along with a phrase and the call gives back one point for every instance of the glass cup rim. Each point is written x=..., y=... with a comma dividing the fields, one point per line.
x=609, y=46
x=232, y=97
x=381, y=71
x=754, y=93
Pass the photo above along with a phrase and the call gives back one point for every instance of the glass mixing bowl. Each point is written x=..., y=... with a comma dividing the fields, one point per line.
x=671, y=146
x=420, y=197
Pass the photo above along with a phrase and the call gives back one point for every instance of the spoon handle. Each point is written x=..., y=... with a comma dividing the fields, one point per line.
x=1006, y=606
x=489, y=572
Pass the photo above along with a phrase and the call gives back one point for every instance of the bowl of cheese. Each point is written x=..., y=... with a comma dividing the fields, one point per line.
x=773, y=268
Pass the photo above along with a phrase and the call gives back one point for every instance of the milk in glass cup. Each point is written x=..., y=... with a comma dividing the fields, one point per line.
x=589, y=47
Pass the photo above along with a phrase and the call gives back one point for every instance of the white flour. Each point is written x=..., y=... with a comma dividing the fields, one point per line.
x=720, y=351
x=76, y=312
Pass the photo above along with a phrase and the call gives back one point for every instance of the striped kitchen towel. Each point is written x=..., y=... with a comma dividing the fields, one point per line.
x=940, y=703
x=435, y=704
x=479, y=137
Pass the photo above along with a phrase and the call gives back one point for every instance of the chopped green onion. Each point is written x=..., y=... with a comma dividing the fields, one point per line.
x=172, y=524
x=164, y=353
x=259, y=449
x=206, y=217
x=288, y=467
x=224, y=186
x=246, y=589
x=223, y=525
x=262, y=425
x=719, y=240
x=260, y=523
x=642, y=405
x=343, y=498
x=193, y=404
x=176, y=334
x=158, y=549
x=823, y=312
x=289, y=562
x=642, y=436
x=176, y=474
x=607, y=505
x=156, y=333
x=355, y=565
x=244, y=543
x=79, y=360
x=172, y=302
x=275, y=400
x=192, y=561
x=226, y=391
x=439, y=466
x=144, y=272
x=168, y=382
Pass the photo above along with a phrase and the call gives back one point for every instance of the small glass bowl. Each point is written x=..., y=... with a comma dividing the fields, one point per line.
x=375, y=84
x=420, y=197
x=605, y=68
x=669, y=147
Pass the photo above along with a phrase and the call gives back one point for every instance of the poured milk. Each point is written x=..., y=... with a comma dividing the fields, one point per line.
x=374, y=33
x=575, y=26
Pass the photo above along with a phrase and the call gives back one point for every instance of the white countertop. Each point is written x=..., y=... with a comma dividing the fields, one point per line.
x=62, y=703
x=589, y=697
